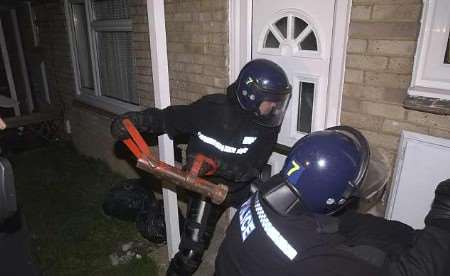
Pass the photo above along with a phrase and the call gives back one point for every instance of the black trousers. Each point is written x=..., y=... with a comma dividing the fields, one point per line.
x=201, y=219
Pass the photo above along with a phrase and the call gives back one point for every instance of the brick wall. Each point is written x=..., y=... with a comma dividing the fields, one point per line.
x=382, y=43
x=197, y=41
x=197, y=45
x=141, y=51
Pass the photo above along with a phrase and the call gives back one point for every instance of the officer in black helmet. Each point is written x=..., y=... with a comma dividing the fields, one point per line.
x=299, y=222
x=237, y=131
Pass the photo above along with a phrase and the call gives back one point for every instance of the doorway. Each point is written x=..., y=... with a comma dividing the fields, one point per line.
x=308, y=40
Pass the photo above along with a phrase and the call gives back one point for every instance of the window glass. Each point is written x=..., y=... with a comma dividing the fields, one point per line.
x=271, y=41
x=116, y=66
x=305, y=107
x=309, y=43
x=282, y=26
x=83, y=50
x=299, y=26
x=111, y=9
x=110, y=70
x=305, y=41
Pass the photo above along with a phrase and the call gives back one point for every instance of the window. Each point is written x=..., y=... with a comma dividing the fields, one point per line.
x=101, y=41
x=290, y=30
x=431, y=77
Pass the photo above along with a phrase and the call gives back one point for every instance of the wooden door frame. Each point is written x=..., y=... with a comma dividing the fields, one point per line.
x=240, y=41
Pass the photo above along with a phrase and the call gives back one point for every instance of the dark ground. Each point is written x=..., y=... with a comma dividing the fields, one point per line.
x=60, y=194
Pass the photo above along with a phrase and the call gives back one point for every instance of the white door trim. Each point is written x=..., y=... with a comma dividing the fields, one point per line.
x=240, y=35
x=240, y=38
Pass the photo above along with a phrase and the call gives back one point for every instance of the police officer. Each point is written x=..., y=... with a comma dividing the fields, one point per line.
x=237, y=130
x=299, y=222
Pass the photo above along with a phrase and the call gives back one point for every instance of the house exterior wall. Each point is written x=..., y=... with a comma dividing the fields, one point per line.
x=382, y=44
x=197, y=52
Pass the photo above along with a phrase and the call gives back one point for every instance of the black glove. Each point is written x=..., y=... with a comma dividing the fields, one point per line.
x=248, y=175
x=236, y=173
x=139, y=119
x=439, y=215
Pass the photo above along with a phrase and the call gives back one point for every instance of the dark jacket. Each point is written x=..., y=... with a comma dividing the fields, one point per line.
x=298, y=245
x=264, y=243
x=221, y=130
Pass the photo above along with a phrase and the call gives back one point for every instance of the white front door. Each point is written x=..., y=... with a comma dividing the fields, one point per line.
x=298, y=35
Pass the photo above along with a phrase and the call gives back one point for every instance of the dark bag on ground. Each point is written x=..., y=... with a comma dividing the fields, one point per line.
x=126, y=200
x=133, y=201
x=150, y=223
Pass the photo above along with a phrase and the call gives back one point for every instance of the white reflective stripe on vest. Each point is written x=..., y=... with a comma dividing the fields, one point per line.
x=273, y=233
x=223, y=148
x=248, y=140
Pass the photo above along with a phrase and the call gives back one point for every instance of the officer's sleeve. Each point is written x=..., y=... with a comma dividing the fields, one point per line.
x=249, y=165
x=175, y=120
x=429, y=256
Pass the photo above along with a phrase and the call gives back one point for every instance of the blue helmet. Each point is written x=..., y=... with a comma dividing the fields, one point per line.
x=263, y=88
x=322, y=172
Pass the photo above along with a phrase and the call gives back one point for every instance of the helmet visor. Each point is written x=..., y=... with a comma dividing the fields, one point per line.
x=272, y=108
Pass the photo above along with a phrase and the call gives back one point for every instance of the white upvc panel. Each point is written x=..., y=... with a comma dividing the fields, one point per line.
x=422, y=162
x=240, y=35
x=160, y=72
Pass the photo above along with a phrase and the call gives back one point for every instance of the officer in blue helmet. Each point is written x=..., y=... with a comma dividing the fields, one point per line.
x=301, y=221
x=237, y=131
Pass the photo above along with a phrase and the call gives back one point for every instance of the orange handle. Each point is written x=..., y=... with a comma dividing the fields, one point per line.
x=136, y=143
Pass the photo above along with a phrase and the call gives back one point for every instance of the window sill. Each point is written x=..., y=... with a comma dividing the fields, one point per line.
x=426, y=92
x=107, y=106
x=427, y=104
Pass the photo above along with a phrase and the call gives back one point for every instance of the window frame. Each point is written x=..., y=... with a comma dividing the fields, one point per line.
x=94, y=96
x=434, y=28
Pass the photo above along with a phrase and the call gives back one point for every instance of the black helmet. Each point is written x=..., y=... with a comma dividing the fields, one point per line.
x=262, y=88
x=322, y=172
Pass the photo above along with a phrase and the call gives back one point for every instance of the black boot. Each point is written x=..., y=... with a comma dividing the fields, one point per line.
x=202, y=217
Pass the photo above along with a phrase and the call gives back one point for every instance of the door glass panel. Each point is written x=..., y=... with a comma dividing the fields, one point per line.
x=305, y=107
x=271, y=41
x=282, y=26
x=447, y=52
x=299, y=26
x=309, y=43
